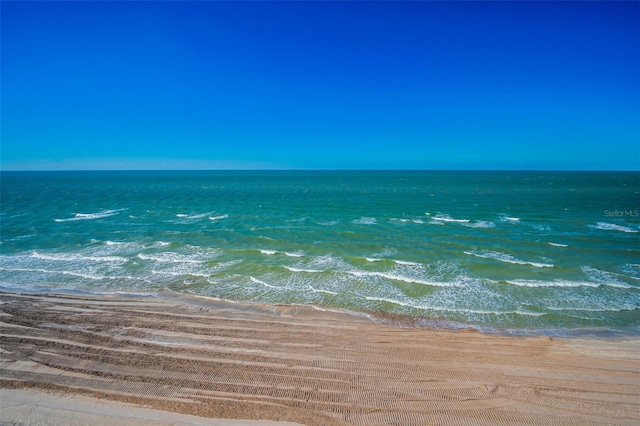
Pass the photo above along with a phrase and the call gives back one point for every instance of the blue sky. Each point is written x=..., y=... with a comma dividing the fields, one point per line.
x=320, y=85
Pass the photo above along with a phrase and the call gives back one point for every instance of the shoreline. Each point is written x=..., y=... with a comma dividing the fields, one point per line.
x=378, y=317
x=216, y=359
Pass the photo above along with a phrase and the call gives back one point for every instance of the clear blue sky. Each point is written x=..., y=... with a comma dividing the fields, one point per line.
x=321, y=85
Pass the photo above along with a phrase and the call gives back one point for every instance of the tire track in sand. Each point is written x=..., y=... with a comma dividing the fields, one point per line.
x=217, y=359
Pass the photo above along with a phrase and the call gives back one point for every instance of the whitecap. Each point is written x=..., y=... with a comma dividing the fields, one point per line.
x=483, y=312
x=447, y=218
x=365, y=221
x=267, y=251
x=169, y=257
x=322, y=291
x=257, y=281
x=90, y=216
x=406, y=262
x=398, y=220
x=198, y=216
x=504, y=257
x=624, y=308
x=558, y=244
x=293, y=254
x=392, y=301
x=73, y=257
x=604, y=277
x=193, y=216
x=223, y=216
x=508, y=219
x=292, y=269
x=612, y=227
x=632, y=270
x=78, y=274
x=297, y=220
x=553, y=283
x=480, y=224
x=395, y=277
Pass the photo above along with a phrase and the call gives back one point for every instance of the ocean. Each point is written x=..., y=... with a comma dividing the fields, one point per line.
x=515, y=252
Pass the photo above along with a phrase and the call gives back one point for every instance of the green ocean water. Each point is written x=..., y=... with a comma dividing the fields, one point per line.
x=552, y=252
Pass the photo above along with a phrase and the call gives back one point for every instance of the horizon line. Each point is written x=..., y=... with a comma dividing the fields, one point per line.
x=315, y=170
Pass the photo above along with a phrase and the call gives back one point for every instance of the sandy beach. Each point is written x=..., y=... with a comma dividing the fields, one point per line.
x=73, y=359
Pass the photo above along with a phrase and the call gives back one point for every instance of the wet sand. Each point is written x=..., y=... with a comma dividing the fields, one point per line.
x=211, y=359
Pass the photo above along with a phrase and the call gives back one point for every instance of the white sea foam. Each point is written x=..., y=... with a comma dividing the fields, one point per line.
x=268, y=251
x=558, y=244
x=220, y=217
x=447, y=218
x=392, y=301
x=169, y=257
x=624, y=308
x=504, y=257
x=292, y=269
x=322, y=291
x=302, y=219
x=484, y=312
x=78, y=274
x=293, y=254
x=193, y=216
x=179, y=273
x=508, y=219
x=480, y=224
x=395, y=277
x=20, y=237
x=388, y=251
x=451, y=309
x=552, y=283
x=73, y=257
x=371, y=259
x=406, y=263
x=114, y=243
x=632, y=270
x=199, y=274
x=89, y=216
x=612, y=227
x=365, y=221
x=604, y=277
x=257, y=281
x=198, y=216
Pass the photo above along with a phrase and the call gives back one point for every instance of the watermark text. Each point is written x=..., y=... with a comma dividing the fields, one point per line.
x=622, y=213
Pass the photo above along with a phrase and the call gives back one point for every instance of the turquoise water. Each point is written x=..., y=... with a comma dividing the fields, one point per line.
x=556, y=252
